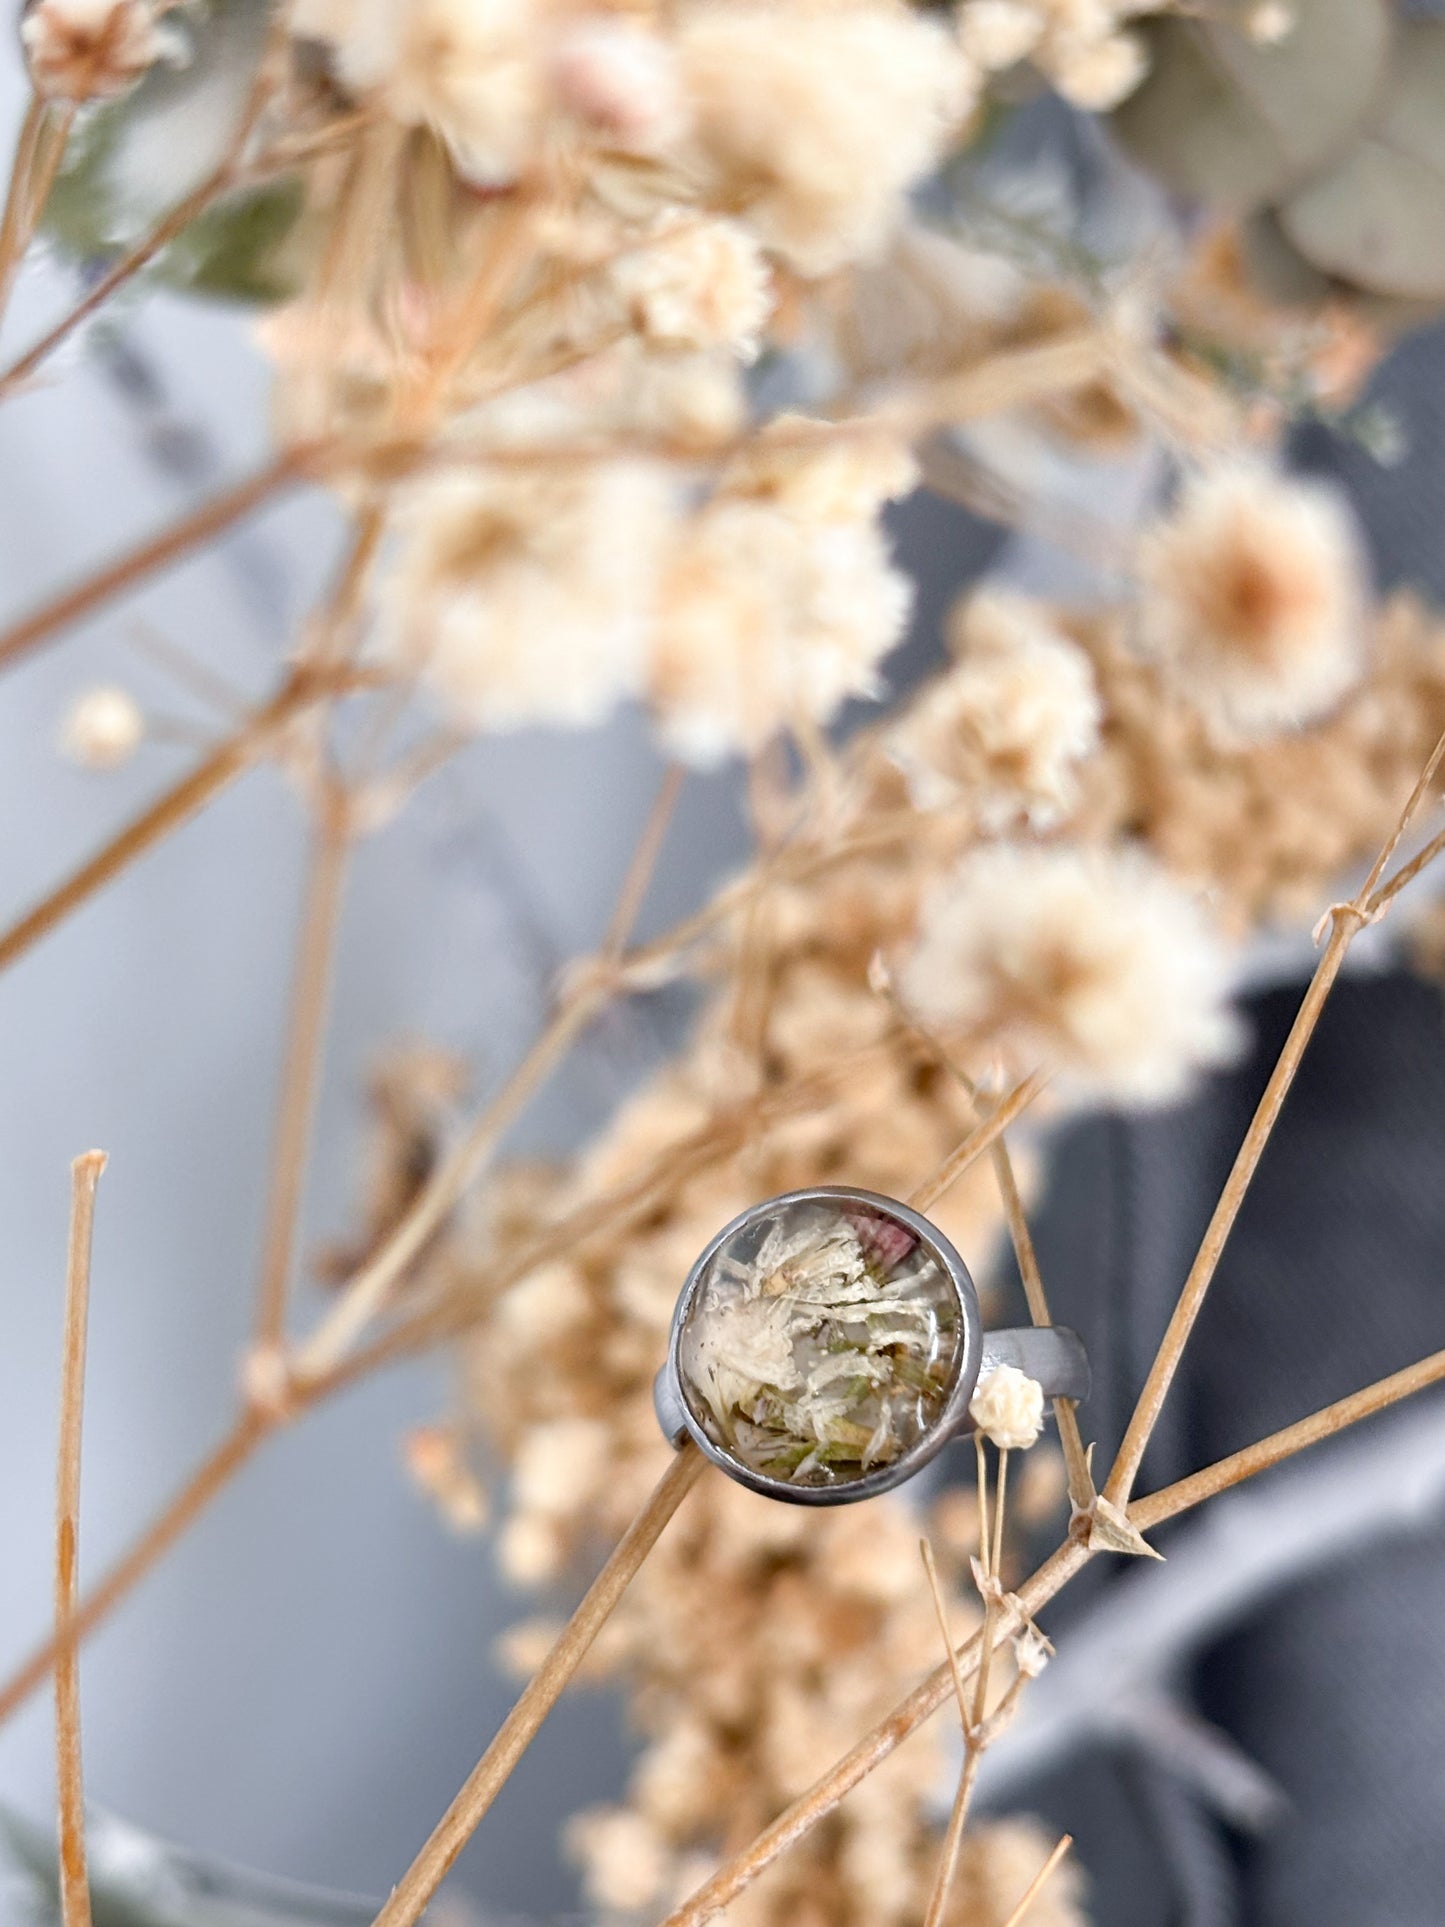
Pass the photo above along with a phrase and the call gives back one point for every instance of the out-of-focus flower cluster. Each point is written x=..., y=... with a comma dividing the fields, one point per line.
x=619, y=323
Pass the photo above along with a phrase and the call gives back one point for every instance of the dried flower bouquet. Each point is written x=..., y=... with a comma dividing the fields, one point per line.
x=534, y=277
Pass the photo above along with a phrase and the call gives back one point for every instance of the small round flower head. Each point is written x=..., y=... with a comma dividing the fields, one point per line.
x=1251, y=595
x=1270, y=23
x=767, y=622
x=625, y=1859
x=999, y=33
x=1092, y=965
x=1008, y=1408
x=696, y=283
x=812, y=121
x=1096, y=74
x=621, y=85
x=92, y=49
x=516, y=600
x=1006, y=729
x=103, y=728
x=468, y=69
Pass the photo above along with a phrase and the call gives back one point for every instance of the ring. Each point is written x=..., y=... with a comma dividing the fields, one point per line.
x=827, y=1343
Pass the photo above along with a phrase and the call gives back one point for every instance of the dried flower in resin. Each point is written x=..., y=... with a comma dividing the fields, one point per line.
x=93, y=49
x=1008, y=1408
x=1007, y=728
x=812, y=122
x=821, y=1342
x=103, y=728
x=1091, y=964
x=1251, y=595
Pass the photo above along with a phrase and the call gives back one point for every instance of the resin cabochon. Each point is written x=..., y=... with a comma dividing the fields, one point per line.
x=821, y=1342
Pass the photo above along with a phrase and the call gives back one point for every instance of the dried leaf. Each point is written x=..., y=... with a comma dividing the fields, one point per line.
x=1238, y=124
x=1112, y=1531
x=1377, y=216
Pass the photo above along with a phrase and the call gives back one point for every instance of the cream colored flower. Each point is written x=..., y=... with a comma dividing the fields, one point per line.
x=1097, y=74
x=93, y=49
x=999, y=33
x=1251, y=595
x=813, y=121
x=822, y=471
x=696, y=283
x=103, y=728
x=1006, y=729
x=625, y=1860
x=768, y=621
x=1008, y=1408
x=558, y=1465
x=620, y=83
x=471, y=70
x=528, y=599
x=1091, y=965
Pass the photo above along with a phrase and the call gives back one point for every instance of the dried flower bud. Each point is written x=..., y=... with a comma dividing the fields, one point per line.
x=438, y=1466
x=621, y=84
x=1008, y=1408
x=102, y=729
x=1032, y=1652
x=696, y=283
x=92, y=49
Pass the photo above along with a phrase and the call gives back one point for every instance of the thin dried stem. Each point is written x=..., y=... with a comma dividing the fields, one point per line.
x=188, y=533
x=231, y=758
x=368, y=1291
x=1039, y=1881
x=953, y=1838
x=978, y=1141
x=426, y=1873
x=1184, y=1494
x=1050, y=1579
x=15, y=221
x=331, y=846
x=1076, y=1459
x=642, y=866
x=940, y=1612
x=74, y=1881
x=188, y=1503
x=1346, y=920
x=739, y=1872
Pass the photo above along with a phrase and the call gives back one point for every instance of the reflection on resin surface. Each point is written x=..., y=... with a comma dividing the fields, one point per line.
x=821, y=1342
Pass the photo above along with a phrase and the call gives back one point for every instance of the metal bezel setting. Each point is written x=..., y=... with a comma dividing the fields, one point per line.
x=676, y=1415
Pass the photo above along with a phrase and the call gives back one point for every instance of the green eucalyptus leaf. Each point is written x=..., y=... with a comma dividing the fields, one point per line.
x=134, y=158
x=1377, y=216
x=1237, y=124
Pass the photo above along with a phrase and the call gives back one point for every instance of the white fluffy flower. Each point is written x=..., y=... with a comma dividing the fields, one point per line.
x=1092, y=965
x=103, y=728
x=620, y=83
x=93, y=49
x=696, y=283
x=768, y=620
x=1006, y=729
x=524, y=600
x=812, y=122
x=1251, y=594
x=469, y=69
x=1008, y=1408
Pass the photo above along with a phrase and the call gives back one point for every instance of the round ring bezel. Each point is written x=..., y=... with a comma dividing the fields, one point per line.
x=961, y=1385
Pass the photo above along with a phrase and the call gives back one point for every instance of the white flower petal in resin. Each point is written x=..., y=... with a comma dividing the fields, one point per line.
x=821, y=1342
